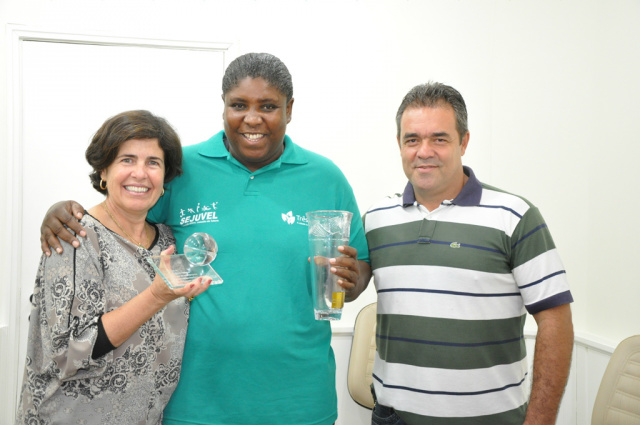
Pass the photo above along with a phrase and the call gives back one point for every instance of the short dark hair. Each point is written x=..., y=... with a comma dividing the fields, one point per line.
x=104, y=146
x=429, y=95
x=258, y=65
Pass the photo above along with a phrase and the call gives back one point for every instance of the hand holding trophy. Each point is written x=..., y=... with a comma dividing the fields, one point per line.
x=200, y=249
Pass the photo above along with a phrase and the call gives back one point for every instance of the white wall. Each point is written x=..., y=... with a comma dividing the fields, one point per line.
x=551, y=87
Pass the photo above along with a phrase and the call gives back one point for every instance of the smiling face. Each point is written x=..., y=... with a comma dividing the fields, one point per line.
x=431, y=151
x=136, y=176
x=255, y=117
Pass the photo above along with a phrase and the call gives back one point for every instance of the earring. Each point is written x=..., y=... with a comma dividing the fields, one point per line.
x=105, y=184
x=162, y=194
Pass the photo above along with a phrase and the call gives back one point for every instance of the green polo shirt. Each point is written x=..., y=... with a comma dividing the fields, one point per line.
x=254, y=352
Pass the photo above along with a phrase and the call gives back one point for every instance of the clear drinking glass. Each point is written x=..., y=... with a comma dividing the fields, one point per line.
x=328, y=230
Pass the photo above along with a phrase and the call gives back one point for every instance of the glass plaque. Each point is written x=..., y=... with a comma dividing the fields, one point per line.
x=200, y=249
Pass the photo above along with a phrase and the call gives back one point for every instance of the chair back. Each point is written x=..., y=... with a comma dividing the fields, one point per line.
x=363, y=350
x=618, y=399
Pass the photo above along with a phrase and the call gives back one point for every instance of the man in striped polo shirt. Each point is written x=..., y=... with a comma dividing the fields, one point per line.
x=457, y=265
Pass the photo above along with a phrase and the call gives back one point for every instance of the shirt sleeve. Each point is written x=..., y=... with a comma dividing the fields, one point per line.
x=71, y=298
x=102, y=345
x=536, y=264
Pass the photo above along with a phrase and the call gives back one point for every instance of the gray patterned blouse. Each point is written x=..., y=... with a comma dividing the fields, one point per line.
x=62, y=383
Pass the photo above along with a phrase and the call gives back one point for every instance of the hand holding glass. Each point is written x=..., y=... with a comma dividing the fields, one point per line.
x=327, y=231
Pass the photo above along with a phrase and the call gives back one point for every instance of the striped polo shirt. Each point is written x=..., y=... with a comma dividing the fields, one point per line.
x=454, y=287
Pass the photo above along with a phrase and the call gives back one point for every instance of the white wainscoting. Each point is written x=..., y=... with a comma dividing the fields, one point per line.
x=590, y=358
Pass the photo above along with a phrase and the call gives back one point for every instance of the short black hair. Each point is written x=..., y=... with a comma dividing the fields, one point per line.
x=430, y=95
x=258, y=65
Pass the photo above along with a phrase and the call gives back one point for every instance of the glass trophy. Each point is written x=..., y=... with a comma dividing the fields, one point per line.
x=200, y=249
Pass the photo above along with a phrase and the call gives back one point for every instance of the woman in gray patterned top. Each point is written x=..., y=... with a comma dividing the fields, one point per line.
x=106, y=335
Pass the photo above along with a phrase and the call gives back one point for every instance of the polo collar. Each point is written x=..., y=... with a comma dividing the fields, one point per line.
x=215, y=148
x=469, y=196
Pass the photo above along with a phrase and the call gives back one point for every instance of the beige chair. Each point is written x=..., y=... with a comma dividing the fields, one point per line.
x=618, y=399
x=363, y=349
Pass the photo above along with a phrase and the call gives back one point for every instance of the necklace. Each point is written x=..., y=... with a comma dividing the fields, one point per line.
x=104, y=205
